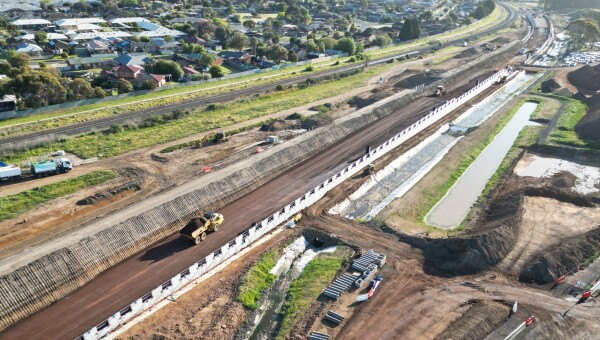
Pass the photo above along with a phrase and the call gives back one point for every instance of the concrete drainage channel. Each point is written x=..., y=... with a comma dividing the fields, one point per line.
x=282, y=216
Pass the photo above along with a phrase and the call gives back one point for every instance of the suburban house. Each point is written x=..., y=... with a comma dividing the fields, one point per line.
x=58, y=47
x=75, y=24
x=84, y=63
x=29, y=49
x=135, y=75
x=98, y=46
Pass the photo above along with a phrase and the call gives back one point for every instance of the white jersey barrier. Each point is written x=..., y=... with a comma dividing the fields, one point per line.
x=254, y=233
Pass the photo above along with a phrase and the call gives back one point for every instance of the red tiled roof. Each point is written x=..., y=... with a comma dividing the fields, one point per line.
x=188, y=70
x=157, y=77
x=125, y=68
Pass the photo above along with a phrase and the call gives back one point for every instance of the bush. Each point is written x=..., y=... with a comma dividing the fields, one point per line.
x=279, y=87
x=336, y=63
x=309, y=68
x=295, y=115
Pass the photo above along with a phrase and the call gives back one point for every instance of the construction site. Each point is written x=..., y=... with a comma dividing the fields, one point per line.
x=452, y=196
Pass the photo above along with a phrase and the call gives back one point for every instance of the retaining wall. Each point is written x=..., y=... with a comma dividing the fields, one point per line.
x=40, y=283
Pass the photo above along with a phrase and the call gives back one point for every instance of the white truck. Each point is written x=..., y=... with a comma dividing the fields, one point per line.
x=9, y=173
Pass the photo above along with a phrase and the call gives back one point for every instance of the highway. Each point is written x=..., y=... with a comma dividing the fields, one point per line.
x=12, y=142
x=122, y=284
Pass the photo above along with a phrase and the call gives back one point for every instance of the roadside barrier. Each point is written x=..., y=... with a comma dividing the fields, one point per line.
x=234, y=246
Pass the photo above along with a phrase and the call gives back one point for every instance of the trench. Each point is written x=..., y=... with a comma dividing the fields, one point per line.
x=398, y=177
x=265, y=322
x=452, y=209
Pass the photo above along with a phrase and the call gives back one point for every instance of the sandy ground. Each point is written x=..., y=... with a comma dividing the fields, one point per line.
x=547, y=221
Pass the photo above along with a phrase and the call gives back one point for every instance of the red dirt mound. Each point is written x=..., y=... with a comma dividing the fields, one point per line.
x=586, y=77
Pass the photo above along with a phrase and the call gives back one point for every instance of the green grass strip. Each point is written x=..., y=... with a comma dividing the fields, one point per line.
x=14, y=205
x=108, y=145
x=258, y=279
x=317, y=274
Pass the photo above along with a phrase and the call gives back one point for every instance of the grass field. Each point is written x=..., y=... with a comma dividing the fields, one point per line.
x=107, y=145
x=14, y=205
x=316, y=276
x=258, y=279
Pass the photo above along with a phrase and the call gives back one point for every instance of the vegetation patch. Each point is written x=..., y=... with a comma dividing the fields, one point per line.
x=317, y=274
x=564, y=132
x=258, y=279
x=14, y=205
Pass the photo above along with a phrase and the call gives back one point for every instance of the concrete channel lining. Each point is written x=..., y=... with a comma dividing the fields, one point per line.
x=53, y=276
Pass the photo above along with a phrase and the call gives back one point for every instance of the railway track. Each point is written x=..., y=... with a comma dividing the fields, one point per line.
x=15, y=143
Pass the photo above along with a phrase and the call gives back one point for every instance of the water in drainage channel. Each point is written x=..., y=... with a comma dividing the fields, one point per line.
x=452, y=209
x=403, y=173
x=288, y=268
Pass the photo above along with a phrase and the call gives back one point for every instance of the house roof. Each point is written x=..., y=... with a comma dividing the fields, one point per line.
x=51, y=36
x=79, y=21
x=231, y=54
x=28, y=48
x=22, y=7
x=127, y=68
x=188, y=70
x=157, y=77
x=25, y=22
x=127, y=20
x=127, y=59
x=82, y=27
x=104, y=35
x=82, y=61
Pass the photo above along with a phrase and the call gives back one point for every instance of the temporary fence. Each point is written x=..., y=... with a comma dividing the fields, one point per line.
x=234, y=246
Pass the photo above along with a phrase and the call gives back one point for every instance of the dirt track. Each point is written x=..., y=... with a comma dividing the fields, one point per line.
x=116, y=288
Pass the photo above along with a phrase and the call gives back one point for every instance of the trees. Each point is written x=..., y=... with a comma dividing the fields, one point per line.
x=16, y=59
x=292, y=56
x=124, y=86
x=311, y=46
x=383, y=40
x=277, y=53
x=79, y=89
x=216, y=71
x=149, y=84
x=206, y=59
x=168, y=67
x=38, y=88
x=406, y=33
x=584, y=30
x=416, y=28
x=346, y=45
x=297, y=15
x=41, y=37
x=328, y=42
x=238, y=41
x=249, y=24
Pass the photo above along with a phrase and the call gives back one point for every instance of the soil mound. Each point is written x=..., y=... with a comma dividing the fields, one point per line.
x=589, y=126
x=586, y=77
x=501, y=40
x=549, y=86
x=562, y=258
x=107, y=194
x=416, y=80
x=481, y=319
x=470, y=52
x=476, y=252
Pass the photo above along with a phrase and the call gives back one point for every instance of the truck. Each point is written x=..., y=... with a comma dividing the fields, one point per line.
x=196, y=229
x=51, y=167
x=439, y=91
x=10, y=173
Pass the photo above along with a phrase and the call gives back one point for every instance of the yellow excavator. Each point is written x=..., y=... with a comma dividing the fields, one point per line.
x=197, y=228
